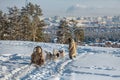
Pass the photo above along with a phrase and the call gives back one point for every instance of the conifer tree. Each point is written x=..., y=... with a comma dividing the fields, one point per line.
x=68, y=29
x=4, y=26
x=14, y=28
x=34, y=13
x=22, y=24
x=62, y=31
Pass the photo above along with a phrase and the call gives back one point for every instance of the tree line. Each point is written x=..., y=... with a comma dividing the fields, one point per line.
x=22, y=24
x=26, y=24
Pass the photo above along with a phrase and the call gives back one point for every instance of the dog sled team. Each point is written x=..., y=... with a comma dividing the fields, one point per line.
x=38, y=58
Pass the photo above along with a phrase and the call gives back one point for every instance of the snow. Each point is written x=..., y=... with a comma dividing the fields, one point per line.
x=97, y=65
x=91, y=63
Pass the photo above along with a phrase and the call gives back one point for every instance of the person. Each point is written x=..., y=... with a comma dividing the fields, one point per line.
x=72, y=48
x=37, y=56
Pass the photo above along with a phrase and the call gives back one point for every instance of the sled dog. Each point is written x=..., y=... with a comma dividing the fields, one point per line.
x=49, y=56
x=62, y=53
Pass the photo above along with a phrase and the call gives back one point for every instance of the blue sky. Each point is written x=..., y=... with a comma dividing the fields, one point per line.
x=70, y=7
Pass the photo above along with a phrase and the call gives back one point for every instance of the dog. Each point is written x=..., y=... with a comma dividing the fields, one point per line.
x=49, y=56
x=72, y=48
x=58, y=54
x=37, y=56
x=55, y=54
x=61, y=53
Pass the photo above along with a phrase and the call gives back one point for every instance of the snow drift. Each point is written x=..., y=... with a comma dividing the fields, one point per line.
x=92, y=63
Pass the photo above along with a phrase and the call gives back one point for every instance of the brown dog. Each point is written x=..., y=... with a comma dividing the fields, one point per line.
x=72, y=48
x=37, y=56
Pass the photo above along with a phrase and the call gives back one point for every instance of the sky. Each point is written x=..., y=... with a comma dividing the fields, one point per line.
x=69, y=7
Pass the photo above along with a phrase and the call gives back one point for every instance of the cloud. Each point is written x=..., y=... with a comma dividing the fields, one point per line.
x=85, y=10
x=76, y=7
x=79, y=8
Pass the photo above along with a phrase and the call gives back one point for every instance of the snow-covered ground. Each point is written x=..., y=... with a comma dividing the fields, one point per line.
x=92, y=63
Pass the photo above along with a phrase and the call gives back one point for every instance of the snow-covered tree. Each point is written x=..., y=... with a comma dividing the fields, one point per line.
x=69, y=29
x=22, y=24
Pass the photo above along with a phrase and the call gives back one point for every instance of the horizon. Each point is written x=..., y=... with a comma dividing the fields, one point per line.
x=69, y=8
